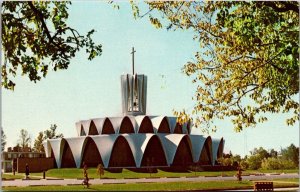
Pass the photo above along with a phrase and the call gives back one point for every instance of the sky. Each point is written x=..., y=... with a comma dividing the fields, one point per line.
x=91, y=89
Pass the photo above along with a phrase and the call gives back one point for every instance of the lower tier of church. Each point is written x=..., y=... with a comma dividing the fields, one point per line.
x=136, y=150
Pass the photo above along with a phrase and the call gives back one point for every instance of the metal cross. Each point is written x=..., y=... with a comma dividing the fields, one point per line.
x=133, y=51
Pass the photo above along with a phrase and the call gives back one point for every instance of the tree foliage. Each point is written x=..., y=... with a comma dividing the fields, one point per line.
x=247, y=63
x=24, y=139
x=36, y=38
x=273, y=163
x=51, y=133
x=47, y=134
x=261, y=158
x=38, y=143
x=3, y=140
x=291, y=153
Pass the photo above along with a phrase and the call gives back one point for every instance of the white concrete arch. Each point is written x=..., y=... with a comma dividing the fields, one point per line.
x=140, y=121
x=86, y=126
x=216, y=144
x=116, y=123
x=156, y=122
x=47, y=148
x=138, y=144
x=105, y=145
x=76, y=146
x=57, y=146
x=78, y=127
x=99, y=124
x=172, y=123
x=134, y=123
x=170, y=143
x=185, y=129
x=198, y=142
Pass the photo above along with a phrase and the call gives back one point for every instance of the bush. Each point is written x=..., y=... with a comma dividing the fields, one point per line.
x=271, y=163
x=276, y=163
x=244, y=165
x=288, y=164
x=254, y=162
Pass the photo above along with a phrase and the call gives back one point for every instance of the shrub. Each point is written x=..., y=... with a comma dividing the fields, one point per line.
x=277, y=163
x=244, y=165
x=254, y=162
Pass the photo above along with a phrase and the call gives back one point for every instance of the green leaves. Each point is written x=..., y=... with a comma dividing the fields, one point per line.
x=248, y=60
x=29, y=44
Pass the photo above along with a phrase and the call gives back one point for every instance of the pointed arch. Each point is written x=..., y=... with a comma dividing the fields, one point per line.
x=206, y=153
x=178, y=128
x=154, y=154
x=47, y=148
x=164, y=126
x=160, y=124
x=183, y=155
x=76, y=145
x=197, y=145
x=107, y=127
x=185, y=128
x=67, y=160
x=121, y=155
x=82, y=132
x=57, y=146
x=91, y=156
x=116, y=123
x=78, y=128
x=217, y=149
x=98, y=122
x=93, y=129
x=52, y=155
x=146, y=126
x=126, y=126
x=188, y=127
x=86, y=126
x=105, y=145
x=170, y=143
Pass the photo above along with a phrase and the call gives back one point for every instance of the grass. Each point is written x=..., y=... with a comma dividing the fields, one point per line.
x=73, y=173
x=11, y=176
x=174, y=186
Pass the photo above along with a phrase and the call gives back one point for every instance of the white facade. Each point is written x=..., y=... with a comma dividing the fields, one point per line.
x=135, y=136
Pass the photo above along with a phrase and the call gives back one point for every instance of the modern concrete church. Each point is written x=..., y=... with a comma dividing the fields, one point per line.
x=134, y=140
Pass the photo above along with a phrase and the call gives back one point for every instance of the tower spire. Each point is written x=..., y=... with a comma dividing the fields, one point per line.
x=133, y=51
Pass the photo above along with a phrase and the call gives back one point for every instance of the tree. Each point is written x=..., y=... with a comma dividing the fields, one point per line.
x=261, y=152
x=248, y=60
x=257, y=156
x=3, y=140
x=24, y=139
x=47, y=134
x=38, y=143
x=277, y=163
x=291, y=153
x=273, y=153
x=254, y=162
x=51, y=133
x=36, y=37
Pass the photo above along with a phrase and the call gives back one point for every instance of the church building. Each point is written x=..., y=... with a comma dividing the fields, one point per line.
x=135, y=139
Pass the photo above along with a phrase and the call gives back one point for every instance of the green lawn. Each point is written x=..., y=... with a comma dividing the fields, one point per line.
x=11, y=176
x=78, y=173
x=159, y=186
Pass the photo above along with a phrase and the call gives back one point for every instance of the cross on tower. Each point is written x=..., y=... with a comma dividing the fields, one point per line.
x=133, y=51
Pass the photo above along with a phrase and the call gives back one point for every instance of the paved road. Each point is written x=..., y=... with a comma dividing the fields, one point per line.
x=20, y=182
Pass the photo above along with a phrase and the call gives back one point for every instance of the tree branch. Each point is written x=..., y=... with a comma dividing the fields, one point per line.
x=41, y=17
x=287, y=6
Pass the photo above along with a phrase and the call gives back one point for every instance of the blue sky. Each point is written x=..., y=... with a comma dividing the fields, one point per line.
x=91, y=89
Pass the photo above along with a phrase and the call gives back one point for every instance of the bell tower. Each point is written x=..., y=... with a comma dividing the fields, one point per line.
x=134, y=92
